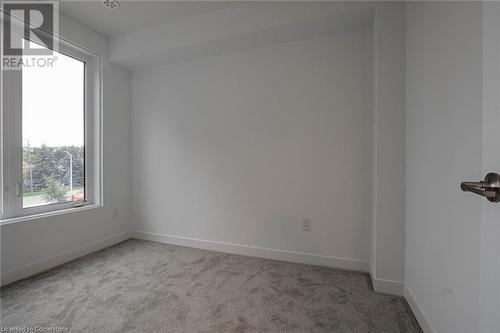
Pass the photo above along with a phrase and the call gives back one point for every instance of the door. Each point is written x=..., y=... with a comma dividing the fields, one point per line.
x=489, y=303
x=489, y=275
x=452, y=260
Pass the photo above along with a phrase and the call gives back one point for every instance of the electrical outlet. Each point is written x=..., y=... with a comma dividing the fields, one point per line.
x=115, y=213
x=306, y=224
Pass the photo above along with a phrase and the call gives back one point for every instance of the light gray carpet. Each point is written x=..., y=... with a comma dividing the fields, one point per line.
x=139, y=286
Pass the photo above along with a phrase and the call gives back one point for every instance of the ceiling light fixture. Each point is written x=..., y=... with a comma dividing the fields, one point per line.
x=111, y=4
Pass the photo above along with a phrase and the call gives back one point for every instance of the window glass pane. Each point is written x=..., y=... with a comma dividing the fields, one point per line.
x=53, y=132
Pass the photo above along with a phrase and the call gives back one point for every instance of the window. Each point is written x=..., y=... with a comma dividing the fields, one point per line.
x=53, y=132
x=51, y=135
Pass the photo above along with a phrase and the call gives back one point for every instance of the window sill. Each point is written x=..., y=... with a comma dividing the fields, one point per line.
x=48, y=214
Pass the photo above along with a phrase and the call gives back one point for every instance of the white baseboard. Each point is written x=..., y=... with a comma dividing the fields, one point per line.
x=387, y=286
x=253, y=251
x=46, y=263
x=417, y=311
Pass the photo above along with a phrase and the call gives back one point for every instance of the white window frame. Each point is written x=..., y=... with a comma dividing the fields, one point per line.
x=11, y=196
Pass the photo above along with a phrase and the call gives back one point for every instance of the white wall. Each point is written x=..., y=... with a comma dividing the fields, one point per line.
x=387, y=222
x=443, y=146
x=239, y=147
x=31, y=246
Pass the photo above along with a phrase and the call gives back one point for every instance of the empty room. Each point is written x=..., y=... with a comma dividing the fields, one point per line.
x=250, y=166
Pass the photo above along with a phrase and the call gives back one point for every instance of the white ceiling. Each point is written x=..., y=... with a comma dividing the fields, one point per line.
x=134, y=15
x=153, y=33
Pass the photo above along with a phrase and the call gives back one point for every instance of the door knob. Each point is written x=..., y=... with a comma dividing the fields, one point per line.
x=489, y=188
